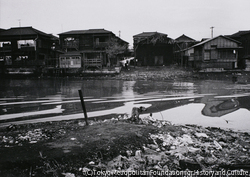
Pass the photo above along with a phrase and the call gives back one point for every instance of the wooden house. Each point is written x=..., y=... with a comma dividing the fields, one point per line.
x=27, y=47
x=219, y=53
x=87, y=48
x=244, y=52
x=180, y=45
x=153, y=49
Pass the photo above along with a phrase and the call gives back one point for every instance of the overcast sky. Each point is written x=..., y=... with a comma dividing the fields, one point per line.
x=173, y=17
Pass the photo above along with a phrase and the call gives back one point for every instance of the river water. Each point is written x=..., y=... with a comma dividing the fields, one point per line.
x=213, y=103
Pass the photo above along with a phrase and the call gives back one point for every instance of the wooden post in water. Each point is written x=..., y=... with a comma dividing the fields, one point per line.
x=83, y=107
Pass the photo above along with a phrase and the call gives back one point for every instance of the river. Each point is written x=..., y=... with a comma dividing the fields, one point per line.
x=213, y=103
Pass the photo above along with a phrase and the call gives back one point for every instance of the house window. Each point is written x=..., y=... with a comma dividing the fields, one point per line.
x=97, y=41
x=7, y=43
x=69, y=39
x=25, y=43
x=227, y=54
x=207, y=55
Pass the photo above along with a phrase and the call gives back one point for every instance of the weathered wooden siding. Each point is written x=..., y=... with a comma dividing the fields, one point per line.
x=220, y=43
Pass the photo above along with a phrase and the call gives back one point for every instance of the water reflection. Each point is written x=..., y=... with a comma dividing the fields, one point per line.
x=207, y=103
x=217, y=108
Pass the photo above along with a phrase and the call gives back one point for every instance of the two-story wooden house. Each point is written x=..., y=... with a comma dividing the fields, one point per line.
x=153, y=49
x=27, y=47
x=87, y=48
x=219, y=53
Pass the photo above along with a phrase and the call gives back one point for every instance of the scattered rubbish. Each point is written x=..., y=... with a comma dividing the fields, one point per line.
x=68, y=174
x=184, y=148
x=218, y=146
x=201, y=135
x=32, y=137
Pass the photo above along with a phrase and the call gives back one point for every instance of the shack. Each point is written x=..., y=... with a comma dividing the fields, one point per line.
x=215, y=54
x=153, y=49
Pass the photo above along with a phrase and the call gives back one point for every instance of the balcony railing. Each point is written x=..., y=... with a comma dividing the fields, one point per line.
x=71, y=45
x=92, y=63
x=100, y=44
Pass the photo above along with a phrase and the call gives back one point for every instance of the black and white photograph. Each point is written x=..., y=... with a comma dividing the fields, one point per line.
x=124, y=88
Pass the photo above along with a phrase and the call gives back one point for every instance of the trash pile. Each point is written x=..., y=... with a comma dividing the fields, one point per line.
x=189, y=148
x=29, y=137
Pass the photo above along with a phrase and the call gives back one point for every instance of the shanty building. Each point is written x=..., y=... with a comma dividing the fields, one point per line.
x=181, y=55
x=153, y=49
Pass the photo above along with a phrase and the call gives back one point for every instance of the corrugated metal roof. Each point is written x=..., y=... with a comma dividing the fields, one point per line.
x=89, y=31
x=148, y=34
x=23, y=31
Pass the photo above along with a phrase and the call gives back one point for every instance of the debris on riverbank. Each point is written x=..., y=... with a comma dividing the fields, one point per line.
x=119, y=145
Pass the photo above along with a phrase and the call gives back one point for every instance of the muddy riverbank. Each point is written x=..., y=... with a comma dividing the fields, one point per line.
x=70, y=148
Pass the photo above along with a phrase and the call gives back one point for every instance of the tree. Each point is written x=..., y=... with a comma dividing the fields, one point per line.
x=115, y=48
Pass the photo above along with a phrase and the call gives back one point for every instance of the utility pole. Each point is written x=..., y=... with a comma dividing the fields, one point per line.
x=212, y=31
x=19, y=22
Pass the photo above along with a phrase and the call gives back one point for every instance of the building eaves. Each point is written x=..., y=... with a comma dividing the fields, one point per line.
x=239, y=34
x=23, y=31
x=89, y=31
x=205, y=41
x=148, y=34
x=184, y=38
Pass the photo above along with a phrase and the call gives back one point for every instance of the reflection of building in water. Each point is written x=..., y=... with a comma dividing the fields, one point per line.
x=216, y=107
x=128, y=89
x=183, y=88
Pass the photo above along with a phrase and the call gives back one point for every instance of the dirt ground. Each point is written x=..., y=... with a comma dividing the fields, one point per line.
x=70, y=148
x=118, y=146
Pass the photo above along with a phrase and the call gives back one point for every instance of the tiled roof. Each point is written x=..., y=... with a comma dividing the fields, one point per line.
x=22, y=31
x=89, y=31
x=148, y=34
